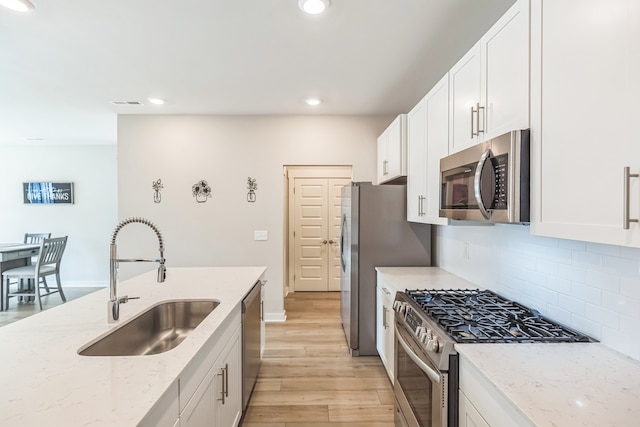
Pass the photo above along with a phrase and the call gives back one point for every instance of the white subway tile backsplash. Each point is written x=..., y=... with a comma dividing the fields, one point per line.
x=547, y=267
x=632, y=253
x=602, y=280
x=621, y=266
x=590, y=287
x=573, y=245
x=572, y=273
x=586, y=326
x=562, y=286
x=605, y=317
x=599, y=248
x=558, y=314
x=630, y=287
x=586, y=293
x=587, y=260
x=621, y=304
x=621, y=342
x=572, y=304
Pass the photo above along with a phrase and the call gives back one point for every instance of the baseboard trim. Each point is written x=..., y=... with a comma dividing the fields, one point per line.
x=275, y=317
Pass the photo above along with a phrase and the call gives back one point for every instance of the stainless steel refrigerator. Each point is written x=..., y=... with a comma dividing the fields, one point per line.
x=374, y=233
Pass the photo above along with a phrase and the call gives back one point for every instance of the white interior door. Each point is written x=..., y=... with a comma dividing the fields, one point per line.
x=316, y=233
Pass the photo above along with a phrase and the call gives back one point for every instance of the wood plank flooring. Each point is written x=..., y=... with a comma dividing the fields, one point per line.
x=308, y=378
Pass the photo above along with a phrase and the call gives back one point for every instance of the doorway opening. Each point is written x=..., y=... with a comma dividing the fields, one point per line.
x=312, y=226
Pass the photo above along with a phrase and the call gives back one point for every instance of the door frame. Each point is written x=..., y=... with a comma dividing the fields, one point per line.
x=290, y=173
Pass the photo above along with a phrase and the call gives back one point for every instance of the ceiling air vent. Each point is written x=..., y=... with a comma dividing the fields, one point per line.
x=126, y=102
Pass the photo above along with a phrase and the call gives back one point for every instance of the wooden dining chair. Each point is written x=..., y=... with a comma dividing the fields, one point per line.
x=48, y=263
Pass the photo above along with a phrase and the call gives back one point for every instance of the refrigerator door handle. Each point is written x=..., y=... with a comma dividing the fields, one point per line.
x=342, y=233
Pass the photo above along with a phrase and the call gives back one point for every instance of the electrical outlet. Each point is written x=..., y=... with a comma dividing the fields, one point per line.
x=260, y=235
x=465, y=250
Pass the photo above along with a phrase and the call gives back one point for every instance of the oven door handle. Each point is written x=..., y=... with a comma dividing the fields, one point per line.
x=433, y=375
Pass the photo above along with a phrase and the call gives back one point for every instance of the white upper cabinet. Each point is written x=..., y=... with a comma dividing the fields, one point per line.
x=585, y=109
x=489, y=86
x=392, y=151
x=427, y=143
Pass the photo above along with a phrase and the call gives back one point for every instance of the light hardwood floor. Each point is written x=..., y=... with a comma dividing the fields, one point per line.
x=308, y=378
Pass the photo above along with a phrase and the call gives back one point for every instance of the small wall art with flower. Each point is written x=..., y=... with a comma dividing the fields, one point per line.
x=201, y=191
x=252, y=186
x=157, y=186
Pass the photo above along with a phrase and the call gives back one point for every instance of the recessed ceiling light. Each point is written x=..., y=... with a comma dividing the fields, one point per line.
x=314, y=7
x=313, y=101
x=18, y=5
x=156, y=101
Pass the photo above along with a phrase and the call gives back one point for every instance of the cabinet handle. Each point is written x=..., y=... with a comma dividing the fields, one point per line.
x=476, y=110
x=384, y=167
x=478, y=117
x=384, y=317
x=226, y=380
x=627, y=196
x=386, y=291
x=223, y=375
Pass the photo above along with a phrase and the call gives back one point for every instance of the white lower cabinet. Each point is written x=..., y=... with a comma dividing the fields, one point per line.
x=481, y=404
x=218, y=399
x=469, y=415
x=385, y=334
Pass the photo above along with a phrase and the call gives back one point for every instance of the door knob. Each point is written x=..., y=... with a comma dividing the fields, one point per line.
x=324, y=242
x=331, y=242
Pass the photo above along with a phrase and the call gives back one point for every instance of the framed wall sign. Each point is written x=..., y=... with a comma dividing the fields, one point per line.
x=47, y=192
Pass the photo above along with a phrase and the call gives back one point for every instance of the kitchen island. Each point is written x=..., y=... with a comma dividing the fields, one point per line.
x=45, y=382
x=537, y=384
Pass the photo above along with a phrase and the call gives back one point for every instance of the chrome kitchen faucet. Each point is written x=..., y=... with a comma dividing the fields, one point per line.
x=115, y=301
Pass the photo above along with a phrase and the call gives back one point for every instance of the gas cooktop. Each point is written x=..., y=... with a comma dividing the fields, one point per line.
x=482, y=316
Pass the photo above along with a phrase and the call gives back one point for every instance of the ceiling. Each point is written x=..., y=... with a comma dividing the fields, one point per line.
x=62, y=63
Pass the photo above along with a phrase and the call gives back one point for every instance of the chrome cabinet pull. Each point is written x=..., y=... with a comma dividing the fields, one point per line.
x=476, y=111
x=222, y=374
x=384, y=167
x=626, y=198
x=384, y=317
x=478, y=117
x=226, y=380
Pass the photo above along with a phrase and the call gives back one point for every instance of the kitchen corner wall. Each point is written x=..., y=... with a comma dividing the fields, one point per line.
x=225, y=151
x=88, y=222
x=591, y=287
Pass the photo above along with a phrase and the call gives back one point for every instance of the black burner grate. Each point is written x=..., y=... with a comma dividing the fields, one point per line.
x=477, y=316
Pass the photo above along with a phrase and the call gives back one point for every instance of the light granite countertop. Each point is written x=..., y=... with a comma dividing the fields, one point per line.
x=44, y=382
x=553, y=385
x=550, y=385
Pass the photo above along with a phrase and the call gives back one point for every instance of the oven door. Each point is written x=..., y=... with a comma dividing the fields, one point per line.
x=421, y=391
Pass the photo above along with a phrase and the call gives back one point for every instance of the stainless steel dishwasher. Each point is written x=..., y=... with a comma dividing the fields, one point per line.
x=251, y=340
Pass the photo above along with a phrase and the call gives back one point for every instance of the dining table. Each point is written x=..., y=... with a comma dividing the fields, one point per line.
x=14, y=255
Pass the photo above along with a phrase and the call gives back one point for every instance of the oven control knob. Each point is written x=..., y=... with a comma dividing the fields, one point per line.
x=433, y=345
x=419, y=331
x=400, y=306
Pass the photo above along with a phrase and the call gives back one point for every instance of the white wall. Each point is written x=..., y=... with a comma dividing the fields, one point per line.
x=88, y=222
x=225, y=151
x=591, y=287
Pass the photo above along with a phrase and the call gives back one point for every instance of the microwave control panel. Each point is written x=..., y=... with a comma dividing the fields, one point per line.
x=500, y=171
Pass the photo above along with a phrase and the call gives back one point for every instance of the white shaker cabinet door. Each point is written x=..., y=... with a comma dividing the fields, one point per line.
x=465, y=86
x=505, y=73
x=585, y=115
x=437, y=105
x=416, y=161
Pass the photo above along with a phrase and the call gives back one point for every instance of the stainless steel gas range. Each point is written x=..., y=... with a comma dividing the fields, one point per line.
x=430, y=322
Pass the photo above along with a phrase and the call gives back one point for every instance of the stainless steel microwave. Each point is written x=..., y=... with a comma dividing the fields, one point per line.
x=488, y=182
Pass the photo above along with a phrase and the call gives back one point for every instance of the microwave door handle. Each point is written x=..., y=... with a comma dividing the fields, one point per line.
x=433, y=375
x=478, y=181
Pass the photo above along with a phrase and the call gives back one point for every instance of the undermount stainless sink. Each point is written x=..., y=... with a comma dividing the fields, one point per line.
x=158, y=329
